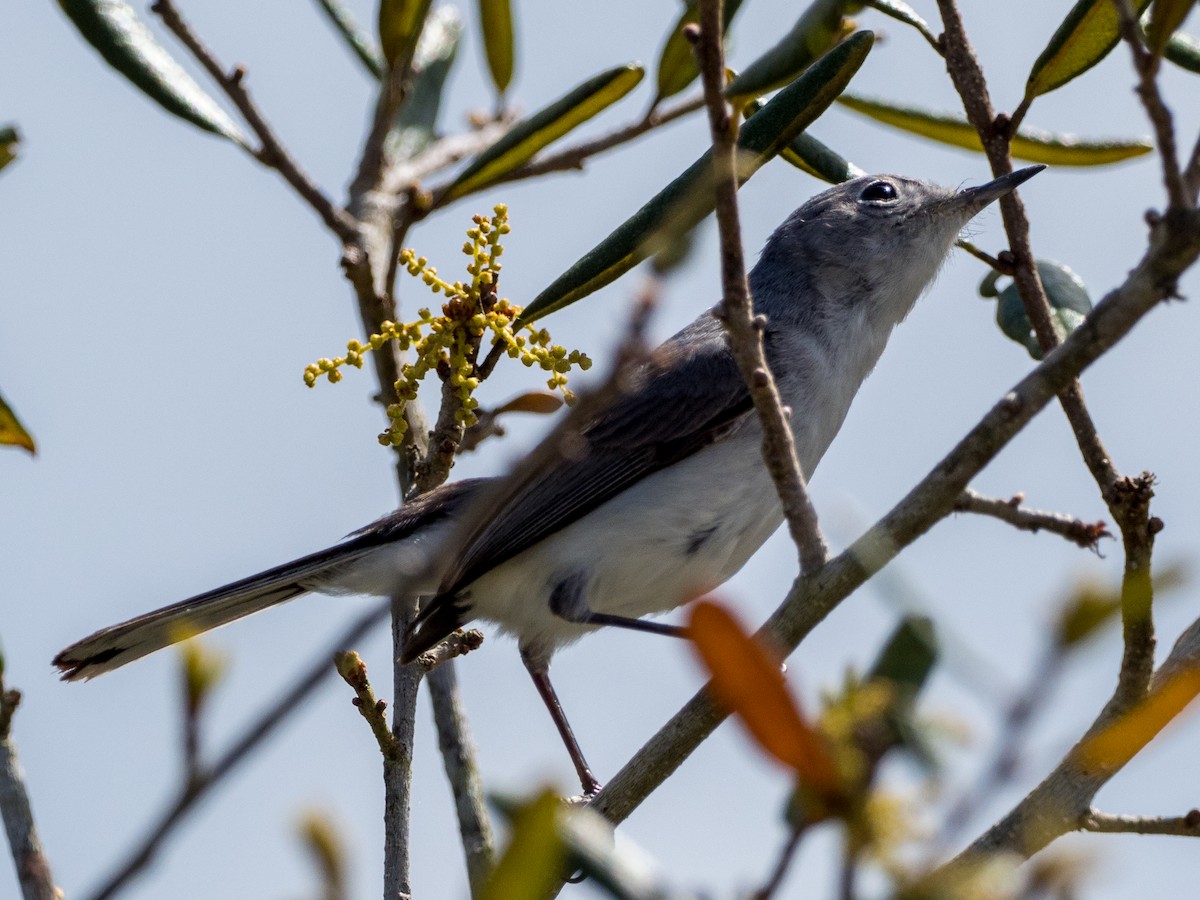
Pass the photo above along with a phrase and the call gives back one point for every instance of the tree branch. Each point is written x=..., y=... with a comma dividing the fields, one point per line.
x=272, y=153
x=1062, y=802
x=33, y=869
x=1187, y=825
x=995, y=132
x=1086, y=535
x=736, y=309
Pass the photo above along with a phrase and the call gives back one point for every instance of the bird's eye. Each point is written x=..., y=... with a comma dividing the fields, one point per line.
x=878, y=192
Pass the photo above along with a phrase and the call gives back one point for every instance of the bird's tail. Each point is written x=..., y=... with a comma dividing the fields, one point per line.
x=117, y=645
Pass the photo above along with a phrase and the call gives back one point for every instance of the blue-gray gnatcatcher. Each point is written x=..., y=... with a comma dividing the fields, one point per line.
x=667, y=496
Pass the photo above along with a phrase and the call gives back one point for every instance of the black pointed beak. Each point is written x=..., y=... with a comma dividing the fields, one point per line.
x=976, y=198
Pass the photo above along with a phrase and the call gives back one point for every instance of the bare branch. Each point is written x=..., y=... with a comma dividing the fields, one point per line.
x=462, y=771
x=1187, y=825
x=995, y=132
x=1146, y=65
x=33, y=869
x=1062, y=802
x=1086, y=535
x=460, y=643
x=354, y=672
x=736, y=310
x=272, y=153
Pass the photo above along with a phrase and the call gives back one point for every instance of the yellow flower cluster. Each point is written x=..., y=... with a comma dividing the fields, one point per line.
x=449, y=344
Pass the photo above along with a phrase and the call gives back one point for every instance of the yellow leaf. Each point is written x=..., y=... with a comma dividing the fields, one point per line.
x=1029, y=144
x=1165, y=17
x=1088, y=33
x=1113, y=747
x=533, y=862
x=12, y=431
x=748, y=681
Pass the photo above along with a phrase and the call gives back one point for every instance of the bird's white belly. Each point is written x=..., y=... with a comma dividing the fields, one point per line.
x=643, y=551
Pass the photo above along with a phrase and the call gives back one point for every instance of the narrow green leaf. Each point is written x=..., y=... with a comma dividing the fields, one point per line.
x=677, y=63
x=534, y=859
x=1029, y=144
x=113, y=28
x=810, y=155
x=1184, y=50
x=496, y=23
x=358, y=40
x=12, y=431
x=400, y=23
x=416, y=125
x=1087, y=35
x=10, y=141
x=689, y=198
x=1165, y=17
x=544, y=127
x=819, y=27
x=902, y=12
x=909, y=654
x=1069, y=304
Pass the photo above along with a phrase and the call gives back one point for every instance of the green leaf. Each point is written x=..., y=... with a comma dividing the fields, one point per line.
x=1029, y=144
x=534, y=860
x=9, y=141
x=909, y=654
x=677, y=63
x=819, y=27
x=1184, y=50
x=689, y=198
x=400, y=23
x=902, y=12
x=416, y=125
x=1165, y=17
x=357, y=39
x=496, y=23
x=544, y=127
x=12, y=431
x=1087, y=35
x=810, y=155
x=1069, y=304
x=113, y=28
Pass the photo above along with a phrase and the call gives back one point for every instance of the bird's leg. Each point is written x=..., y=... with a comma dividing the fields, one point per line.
x=567, y=601
x=539, y=670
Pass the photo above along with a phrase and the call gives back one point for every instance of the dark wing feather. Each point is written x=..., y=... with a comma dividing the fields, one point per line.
x=647, y=429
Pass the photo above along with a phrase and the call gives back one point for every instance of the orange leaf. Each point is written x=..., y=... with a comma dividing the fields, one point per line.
x=1123, y=739
x=747, y=679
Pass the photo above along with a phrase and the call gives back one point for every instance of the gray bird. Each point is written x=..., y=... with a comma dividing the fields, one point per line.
x=668, y=496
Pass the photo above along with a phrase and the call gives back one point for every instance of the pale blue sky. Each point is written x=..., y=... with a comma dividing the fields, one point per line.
x=160, y=295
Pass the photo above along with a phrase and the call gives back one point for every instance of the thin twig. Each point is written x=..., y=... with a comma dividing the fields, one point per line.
x=995, y=134
x=1138, y=529
x=274, y=716
x=1187, y=825
x=786, y=854
x=354, y=672
x=397, y=771
x=1086, y=535
x=272, y=153
x=460, y=643
x=33, y=869
x=1146, y=65
x=1001, y=265
x=736, y=310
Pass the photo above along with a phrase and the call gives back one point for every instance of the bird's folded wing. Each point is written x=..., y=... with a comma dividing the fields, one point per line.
x=697, y=396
